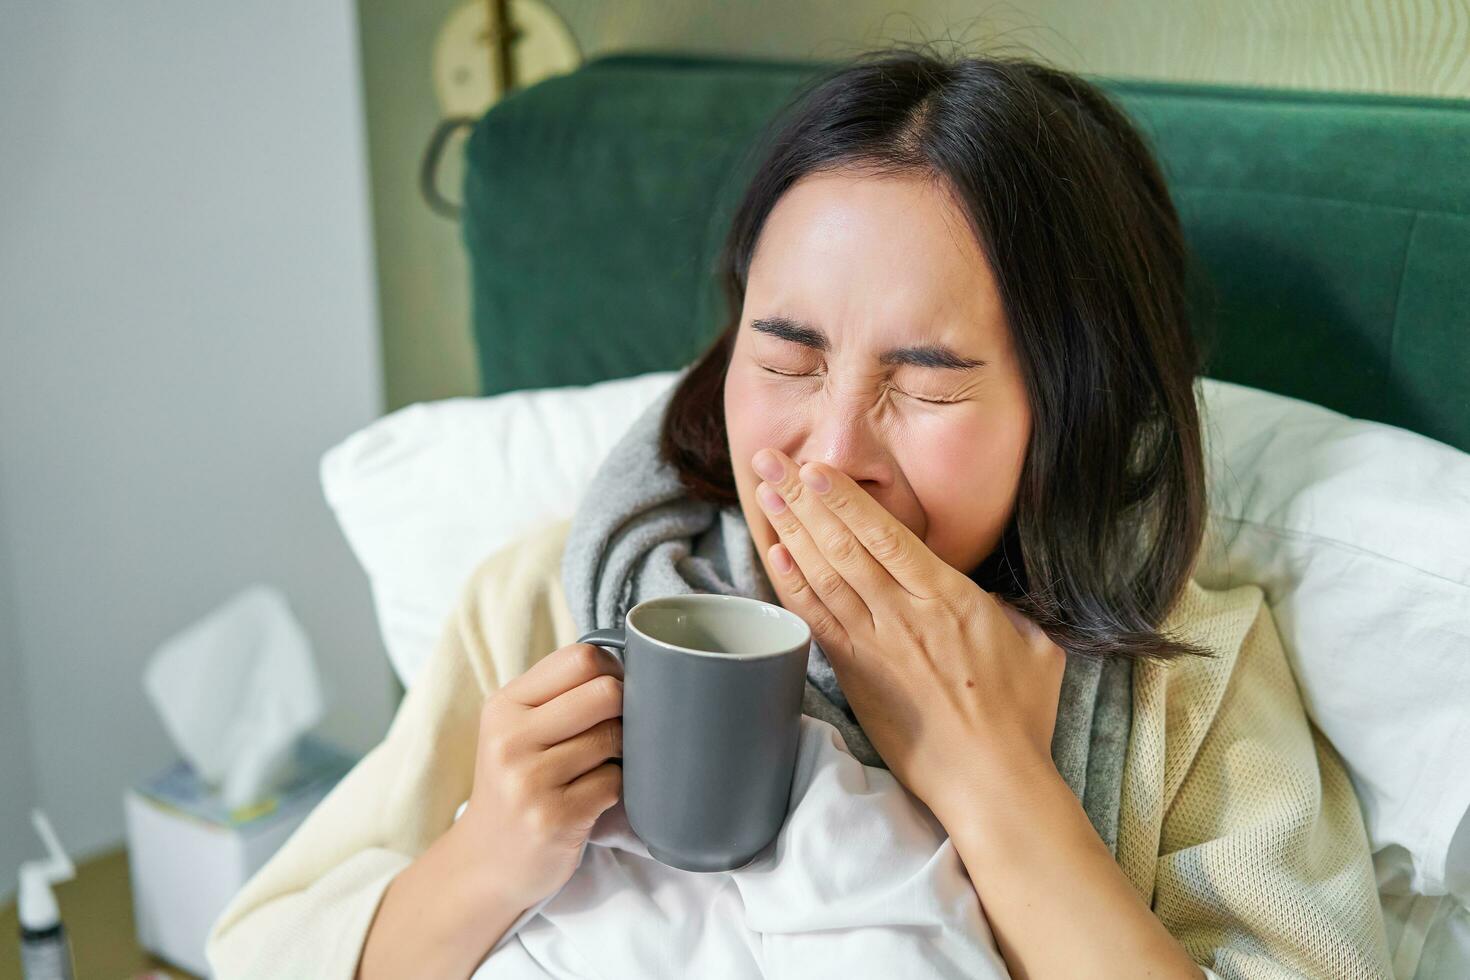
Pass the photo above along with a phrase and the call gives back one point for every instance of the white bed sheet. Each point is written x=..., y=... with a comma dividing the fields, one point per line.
x=861, y=881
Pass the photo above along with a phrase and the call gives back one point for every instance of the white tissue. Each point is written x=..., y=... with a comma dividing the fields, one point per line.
x=236, y=691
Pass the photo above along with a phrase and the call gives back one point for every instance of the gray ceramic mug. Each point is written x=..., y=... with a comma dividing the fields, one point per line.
x=712, y=690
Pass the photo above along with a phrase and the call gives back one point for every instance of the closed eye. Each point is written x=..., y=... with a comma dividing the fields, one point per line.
x=933, y=401
x=929, y=401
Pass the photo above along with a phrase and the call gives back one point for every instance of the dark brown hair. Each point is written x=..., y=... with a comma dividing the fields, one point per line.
x=1075, y=218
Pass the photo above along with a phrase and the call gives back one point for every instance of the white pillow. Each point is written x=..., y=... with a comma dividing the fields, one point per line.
x=1358, y=532
x=427, y=492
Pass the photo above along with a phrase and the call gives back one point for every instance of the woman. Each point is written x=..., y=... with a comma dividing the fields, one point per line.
x=954, y=407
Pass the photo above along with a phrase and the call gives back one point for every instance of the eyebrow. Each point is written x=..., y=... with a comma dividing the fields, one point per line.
x=919, y=355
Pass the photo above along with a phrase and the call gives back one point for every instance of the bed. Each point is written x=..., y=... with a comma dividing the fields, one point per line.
x=1331, y=234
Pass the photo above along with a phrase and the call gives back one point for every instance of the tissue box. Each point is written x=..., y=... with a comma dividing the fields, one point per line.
x=188, y=855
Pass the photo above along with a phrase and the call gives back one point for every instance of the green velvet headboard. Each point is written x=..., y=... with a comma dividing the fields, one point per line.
x=1334, y=229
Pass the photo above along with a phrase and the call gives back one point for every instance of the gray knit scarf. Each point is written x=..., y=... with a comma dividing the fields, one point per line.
x=637, y=534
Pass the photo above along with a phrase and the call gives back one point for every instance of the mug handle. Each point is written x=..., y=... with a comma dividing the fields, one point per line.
x=614, y=640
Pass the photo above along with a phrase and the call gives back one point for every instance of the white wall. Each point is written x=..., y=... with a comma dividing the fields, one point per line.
x=16, y=779
x=187, y=321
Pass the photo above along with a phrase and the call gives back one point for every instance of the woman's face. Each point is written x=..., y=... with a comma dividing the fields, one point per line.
x=865, y=297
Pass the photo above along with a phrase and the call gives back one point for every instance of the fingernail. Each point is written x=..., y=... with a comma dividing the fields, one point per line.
x=770, y=499
x=815, y=479
x=768, y=466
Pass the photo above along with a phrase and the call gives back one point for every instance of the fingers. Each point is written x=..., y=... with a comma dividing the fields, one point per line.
x=595, y=791
x=836, y=564
x=585, y=751
x=826, y=582
x=873, y=549
x=902, y=554
x=559, y=672
x=577, y=710
x=800, y=598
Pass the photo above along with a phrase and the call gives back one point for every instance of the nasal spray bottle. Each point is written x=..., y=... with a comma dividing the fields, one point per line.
x=45, y=952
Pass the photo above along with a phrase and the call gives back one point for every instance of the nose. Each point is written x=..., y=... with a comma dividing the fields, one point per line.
x=842, y=434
